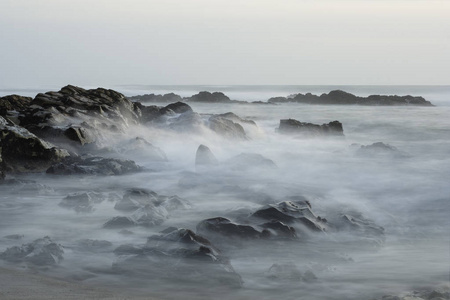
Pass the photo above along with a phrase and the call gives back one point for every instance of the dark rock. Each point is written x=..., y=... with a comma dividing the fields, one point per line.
x=188, y=121
x=168, y=98
x=292, y=212
x=178, y=108
x=357, y=223
x=13, y=103
x=204, y=157
x=93, y=166
x=119, y=222
x=227, y=128
x=22, y=151
x=134, y=199
x=225, y=227
x=248, y=161
x=216, y=97
x=380, y=149
x=235, y=118
x=291, y=126
x=41, y=252
x=79, y=135
x=339, y=97
x=148, y=113
x=279, y=229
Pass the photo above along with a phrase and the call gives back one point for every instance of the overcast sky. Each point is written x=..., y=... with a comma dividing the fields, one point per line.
x=111, y=42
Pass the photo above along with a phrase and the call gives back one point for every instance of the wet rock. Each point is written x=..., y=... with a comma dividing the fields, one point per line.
x=168, y=98
x=380, y=150
x=14, y=237
x=119, y=222
x=292, y=212
x=27, y=186
x=22, y=151
x=178, y=108
x=227, y=128
x=41, y=252
x=225, y=227
x=284, y=272
x=248, y=161
x=13, y=103
x=188, y=121
x=134, y=199
x=83, y=202
x=204, y=157
x=93, y=166
x=235, y=118
x=150, y=215
x=171, y=203
x=294, y=127
x=216, y=97
x=278, y=229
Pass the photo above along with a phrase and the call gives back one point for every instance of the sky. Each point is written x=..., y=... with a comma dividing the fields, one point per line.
x=247, y=42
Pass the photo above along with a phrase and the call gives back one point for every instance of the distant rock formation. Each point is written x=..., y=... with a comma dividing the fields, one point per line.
x=294, y=127
x=166, y=98
x=343, y=98
x=216, y=97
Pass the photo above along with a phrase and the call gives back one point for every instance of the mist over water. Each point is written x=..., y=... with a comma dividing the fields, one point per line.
x=408, y=196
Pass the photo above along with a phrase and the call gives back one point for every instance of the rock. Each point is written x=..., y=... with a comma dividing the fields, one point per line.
x=284, y=272
x=381, y=150
x=248, y=161
x=14, y=237
x=174, y=203
x=134, y=199
x=227, y=128
x=338, y=97
x=41, y=252
x=204, y=157
x=188, y=121
x=235, y=118
x=82, y=202
x=216, y=97
x=168, y=98
x=2, y=168
x=22, y=151
x=150, y=215
x=178, y=108
x=225, y=227
x=93, y=166
x=278, y=229
x=24, y=186
x=141, y=147
x=178, y=254
x=292, y=212
x=291, y=126
x=13, y=104
x=119, y=222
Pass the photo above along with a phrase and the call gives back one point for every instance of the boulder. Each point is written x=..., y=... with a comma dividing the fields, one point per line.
x=22, y=151
x=41, y=252
x=204, y=157
x=168, y=98
x=227, y=128
x=291, y=126
x=225, y=227
x=93, y=166
x=119, y=222
x=178, y=108
x=150, y=215
x=380, y=150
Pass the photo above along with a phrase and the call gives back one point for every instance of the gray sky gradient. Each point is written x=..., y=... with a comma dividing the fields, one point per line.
x=111, y=42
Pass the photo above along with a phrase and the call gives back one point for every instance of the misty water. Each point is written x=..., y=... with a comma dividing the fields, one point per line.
x=408, y=196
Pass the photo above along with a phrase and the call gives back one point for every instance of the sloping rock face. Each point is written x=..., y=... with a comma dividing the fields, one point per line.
x=294, y=127
x=343, y=98
x=216, y=97
x=22, y=151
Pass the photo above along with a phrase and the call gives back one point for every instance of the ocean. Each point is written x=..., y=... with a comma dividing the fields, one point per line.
x=406, y=194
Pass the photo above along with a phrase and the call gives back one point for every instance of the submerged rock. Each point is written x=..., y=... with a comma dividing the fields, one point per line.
x=291, y=126
x=248, y=161
x=215, y=97
x=380, y=149
x=41, y=252
x=289, y=272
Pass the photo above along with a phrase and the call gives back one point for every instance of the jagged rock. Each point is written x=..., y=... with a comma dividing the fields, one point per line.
x=291, y=126
x=235, y=118
x=2, y=171
x=178, y=108
x=41, y=252
x=148, y=113
x=279, y=229
x=380, y=149
x=13, y=103
x=93, y=166
x=248, y=161
x=204, y=157
x=292, y=212
x=22, y=151
x=188, y=121
x=150, y=215
x=83, y=202
x=225, y=227
x=216, y=97
x=177, y=254
x=227, y=128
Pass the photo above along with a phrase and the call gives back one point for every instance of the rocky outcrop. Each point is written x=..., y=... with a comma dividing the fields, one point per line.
x=22, y=151
x=166, y=98
x=12, y=104
x=227, y=128
x=41, y=252
x=207, y=97
x=294, y=127
x=339, y=97
x=379, y=150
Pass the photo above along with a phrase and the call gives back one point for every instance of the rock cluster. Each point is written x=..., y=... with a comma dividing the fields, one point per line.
x=294, y=127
